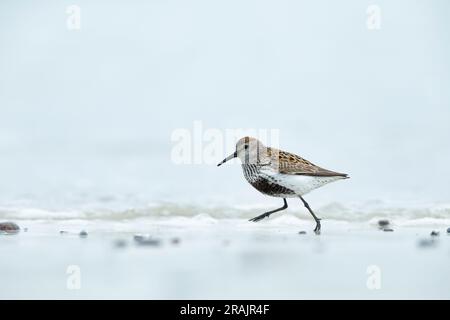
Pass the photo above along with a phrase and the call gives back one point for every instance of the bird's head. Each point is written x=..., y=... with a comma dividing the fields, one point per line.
x=249, y=150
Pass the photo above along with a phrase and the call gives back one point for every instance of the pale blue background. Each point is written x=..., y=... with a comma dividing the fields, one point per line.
x=86, y=116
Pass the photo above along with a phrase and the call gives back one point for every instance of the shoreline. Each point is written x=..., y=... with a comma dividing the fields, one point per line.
x=223, y=259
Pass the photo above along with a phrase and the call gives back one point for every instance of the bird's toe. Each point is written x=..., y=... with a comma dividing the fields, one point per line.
x=256, y=219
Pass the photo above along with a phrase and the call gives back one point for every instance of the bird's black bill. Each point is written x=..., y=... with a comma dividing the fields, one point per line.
x=231, y=156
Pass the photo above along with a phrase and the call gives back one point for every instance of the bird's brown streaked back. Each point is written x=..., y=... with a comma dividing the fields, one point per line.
x=290, y=163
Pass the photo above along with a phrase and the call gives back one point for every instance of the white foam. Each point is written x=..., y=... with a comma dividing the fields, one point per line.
x=361, y=212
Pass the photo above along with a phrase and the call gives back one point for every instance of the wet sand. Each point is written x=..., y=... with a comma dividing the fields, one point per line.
x=206, y=258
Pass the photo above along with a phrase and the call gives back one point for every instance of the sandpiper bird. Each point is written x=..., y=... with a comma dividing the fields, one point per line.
x=280, y=174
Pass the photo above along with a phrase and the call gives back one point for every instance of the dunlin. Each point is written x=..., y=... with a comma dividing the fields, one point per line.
x=280, y=174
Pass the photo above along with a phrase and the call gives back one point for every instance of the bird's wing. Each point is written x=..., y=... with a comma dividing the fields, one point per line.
x=290, y=163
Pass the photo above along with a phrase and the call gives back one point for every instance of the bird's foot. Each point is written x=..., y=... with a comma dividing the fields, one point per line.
x=258, y=218
x=317, y=229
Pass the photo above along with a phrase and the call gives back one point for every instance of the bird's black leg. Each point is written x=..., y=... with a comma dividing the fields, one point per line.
x=317, y=229
x=266, y=214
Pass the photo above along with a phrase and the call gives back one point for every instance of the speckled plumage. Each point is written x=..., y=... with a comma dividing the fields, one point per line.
x=281, y=174
x=265, y=183
x=289, y=163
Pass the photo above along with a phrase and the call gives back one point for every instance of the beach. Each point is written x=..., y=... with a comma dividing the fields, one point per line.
x=202, y=257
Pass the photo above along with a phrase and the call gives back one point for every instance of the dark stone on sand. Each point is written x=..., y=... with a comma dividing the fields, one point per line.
x=9, y=227
x=62, y=232
x=139, y=237
x=302, y=232
x=388, y=230
x=383, y=223
x=175, y=240
x=426, y=243
x=434, y=233
x=83, y=234
x=120, y=243
x=144, y=240
x=448, y=230
x=149, y=242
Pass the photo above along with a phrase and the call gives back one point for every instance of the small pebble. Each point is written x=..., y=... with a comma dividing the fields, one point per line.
x=145, y=240
x=83, y=234
x=62, y=232
x=388, y=230
x=434, y=233
x=426, y=243
x=175, y=240
x=302, y=232
x=138, y=237
x=9, y=228
x=383, y=223
x=448, y=230
x=25, y=229
x=149, y=242
x=120, y=243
